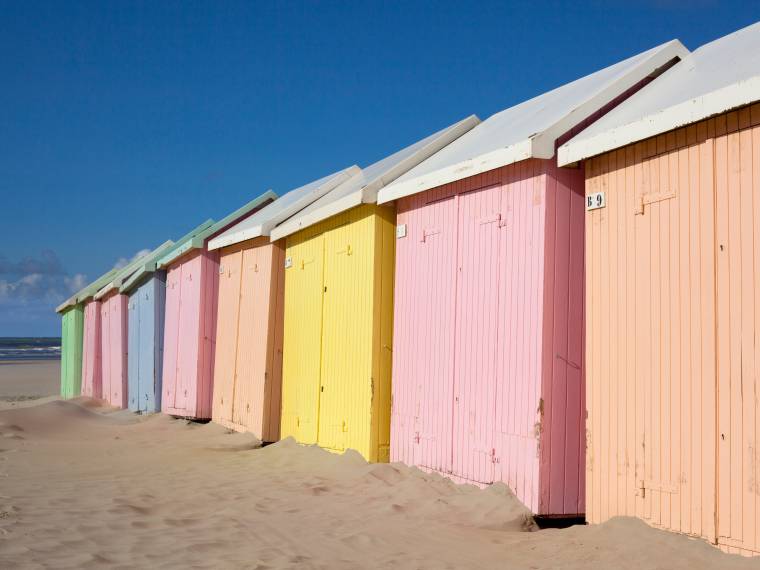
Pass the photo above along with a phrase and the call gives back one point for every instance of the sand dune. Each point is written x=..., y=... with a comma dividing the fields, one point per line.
x=84, y=486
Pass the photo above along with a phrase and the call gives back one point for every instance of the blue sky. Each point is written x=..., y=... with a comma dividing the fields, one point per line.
x=123, y=124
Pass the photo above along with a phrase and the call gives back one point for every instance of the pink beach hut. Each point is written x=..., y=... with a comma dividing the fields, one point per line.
x=488, y=325
x=112, y=333
x=192, y=284
x=92, y=382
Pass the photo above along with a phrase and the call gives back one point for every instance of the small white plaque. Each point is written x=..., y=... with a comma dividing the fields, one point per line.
x=400, y=231
x=288, y=262
x=595, y=201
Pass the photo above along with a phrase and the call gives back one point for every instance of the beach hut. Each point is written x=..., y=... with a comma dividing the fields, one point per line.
x=248, y=359
x=72, y=322
x=75, y=350
x=338, y=309
x=113, y=333
x=673, y=299
x=192, y=282
x=488, y=328
x=91, y=351
x=145, y=288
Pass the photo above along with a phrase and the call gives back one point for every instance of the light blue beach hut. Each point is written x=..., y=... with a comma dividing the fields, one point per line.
x=146, y=291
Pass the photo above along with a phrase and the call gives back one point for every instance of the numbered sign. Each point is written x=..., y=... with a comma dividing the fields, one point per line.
x=288, y=262
x=400, y=231
x=595, y=201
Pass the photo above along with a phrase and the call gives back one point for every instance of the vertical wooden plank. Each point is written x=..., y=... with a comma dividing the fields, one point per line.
x=609, y=332
x=621, y=215
x=665, y=376
x=754, y=393
x=724, y=329
x=735, y=323
x=675, y=405
x=629, y=337
x=276, y=323
x=685, y=197
x=602, y=319
x=643, y=331
x=708, y=308
x=593, y=354
x=555, y=231
x=747, y=260
x=385, y=250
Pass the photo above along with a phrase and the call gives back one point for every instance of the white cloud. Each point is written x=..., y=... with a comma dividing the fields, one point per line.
x=123, y=261
x=75, y=282
x=36, y=281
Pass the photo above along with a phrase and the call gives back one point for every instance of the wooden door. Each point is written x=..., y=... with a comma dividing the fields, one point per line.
x=189, y=335
x=475, y=373
x=227, y=334
x=424, y=353
x=302, y=340
x=133, y=359
x=171, y=338
x=147, y=347
x=251, y=361
x=340, y=349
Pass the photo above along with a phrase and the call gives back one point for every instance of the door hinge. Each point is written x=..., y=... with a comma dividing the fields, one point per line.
x=426, y=233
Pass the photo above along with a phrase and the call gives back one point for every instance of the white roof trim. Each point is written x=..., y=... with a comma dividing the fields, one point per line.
x=464, y=169
x=716, y=78
x=541, y=143
x=363, y=188
x=332, y=209
x=240, y=232
x=686, y=113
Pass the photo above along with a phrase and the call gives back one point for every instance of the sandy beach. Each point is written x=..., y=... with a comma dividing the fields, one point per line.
x=86, y=486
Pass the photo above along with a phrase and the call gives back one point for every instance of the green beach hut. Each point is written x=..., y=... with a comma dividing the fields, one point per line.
x=72, y=335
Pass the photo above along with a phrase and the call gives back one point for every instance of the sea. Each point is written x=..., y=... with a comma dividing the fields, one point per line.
x=22, y=348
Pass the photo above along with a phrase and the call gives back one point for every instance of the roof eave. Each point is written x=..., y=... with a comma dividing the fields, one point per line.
x=544, y=142
x=694, y=110
x=299, y=223
x=265, y=228
x=68, y=303
x=464, y=169
x=238, y=237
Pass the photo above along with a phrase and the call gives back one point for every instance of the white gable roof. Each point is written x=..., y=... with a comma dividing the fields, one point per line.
x=719, y=76
x=530, y=129
x=363, y=187
x=262, y=222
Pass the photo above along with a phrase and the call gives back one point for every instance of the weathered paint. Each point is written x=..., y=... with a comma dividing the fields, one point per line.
x=72, y=322
x=248, y=360
x=338, y=332
x=113, y=338
x=92, y=371
x=673, y=301
x=145, y=344
x=487, y=367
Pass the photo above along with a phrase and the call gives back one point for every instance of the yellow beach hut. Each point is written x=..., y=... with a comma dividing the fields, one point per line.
x=339, y=258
